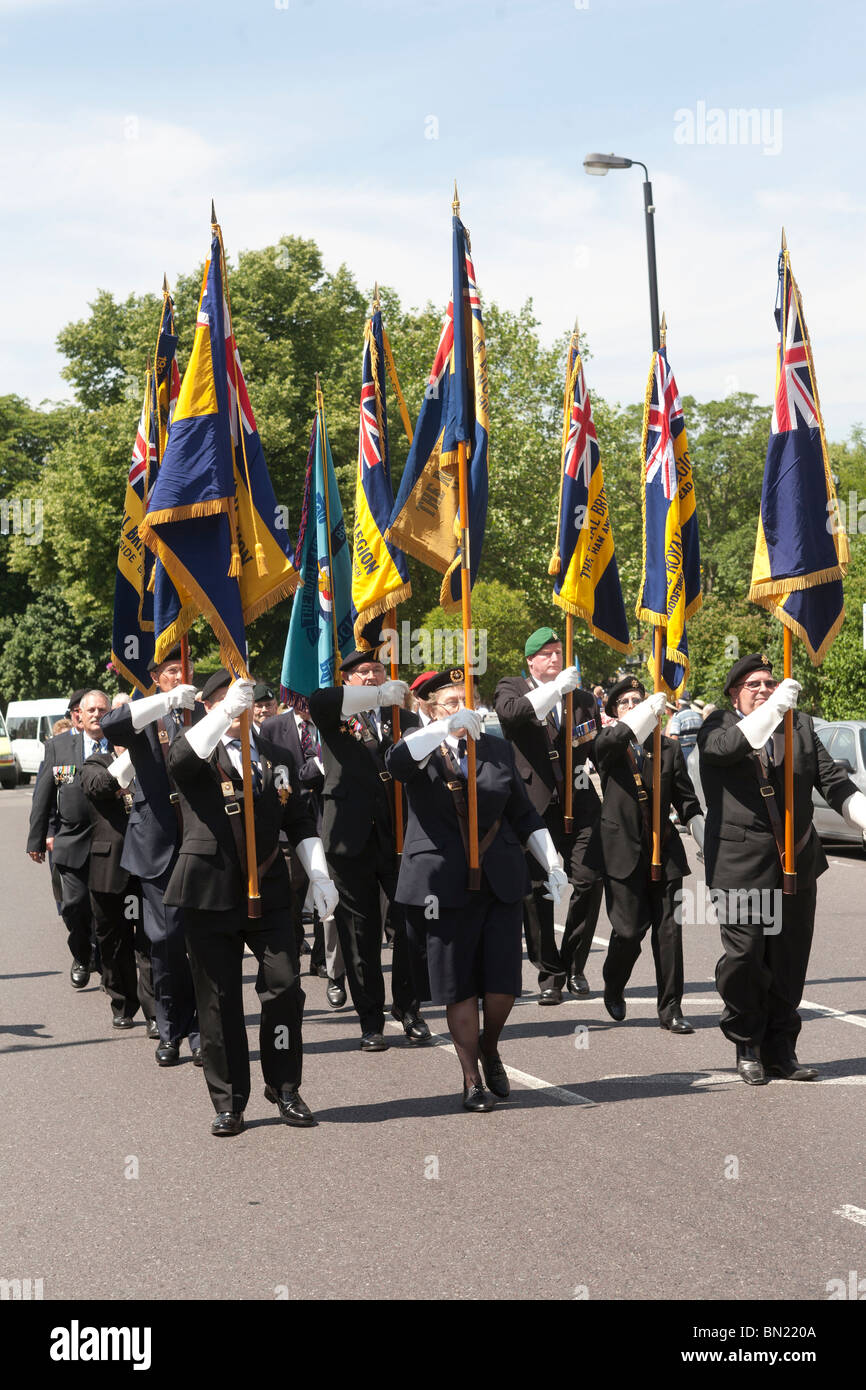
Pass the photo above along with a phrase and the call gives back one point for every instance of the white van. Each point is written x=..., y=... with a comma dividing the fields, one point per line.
x=29, y=723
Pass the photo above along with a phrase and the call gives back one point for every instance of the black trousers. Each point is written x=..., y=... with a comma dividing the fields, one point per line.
x=636, y=906
x=115, y=933
x=75, y=909
x=172, y=981
x=554, y=963
x=359, y=926
x=762, y=974
x=215, y=941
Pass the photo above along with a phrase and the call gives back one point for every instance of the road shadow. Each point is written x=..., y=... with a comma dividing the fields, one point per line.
x=31, y=975
x=26, y=1030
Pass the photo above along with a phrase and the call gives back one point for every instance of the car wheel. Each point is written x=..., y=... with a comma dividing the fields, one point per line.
x=23, y=778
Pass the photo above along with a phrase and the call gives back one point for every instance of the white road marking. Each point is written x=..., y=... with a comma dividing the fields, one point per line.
x=851, y=1213
x=856, y=1019
x=721, y=1078
x=532, y=1083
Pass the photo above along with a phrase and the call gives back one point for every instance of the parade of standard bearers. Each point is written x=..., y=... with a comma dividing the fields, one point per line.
x=195, y=820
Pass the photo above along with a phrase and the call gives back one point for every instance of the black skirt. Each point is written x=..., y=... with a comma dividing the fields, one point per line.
x=466, y=952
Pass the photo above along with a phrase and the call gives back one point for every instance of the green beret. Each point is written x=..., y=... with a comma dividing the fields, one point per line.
x=538, y=639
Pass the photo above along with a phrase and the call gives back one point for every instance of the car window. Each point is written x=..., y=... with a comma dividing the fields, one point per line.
x=22, y=726
x=844, y=746
x=863, y=744
x=826, y=735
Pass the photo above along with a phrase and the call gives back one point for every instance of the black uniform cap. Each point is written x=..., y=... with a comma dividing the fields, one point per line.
x=263, y=692
x=216, y=682
x=455, y=675
x=173, y=655
x=618, y=690
x=357, y=658
x=744, y=667
x=76, y=697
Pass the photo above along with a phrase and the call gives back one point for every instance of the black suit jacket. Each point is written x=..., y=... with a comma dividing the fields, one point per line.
x=434, y=859
x=623, y=845
x=209, y=874
x=152, y=835
x=59, y=794
x=739, y=845
x=109, y=819
x=282, y=730
x=355, y=798
x=536, y=739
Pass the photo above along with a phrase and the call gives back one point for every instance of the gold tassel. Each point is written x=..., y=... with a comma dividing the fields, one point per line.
x=555, y=565
x=151, y=582
x=261, y=561
x=235, y=566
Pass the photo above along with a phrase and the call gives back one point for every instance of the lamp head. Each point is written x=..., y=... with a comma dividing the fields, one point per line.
x=599, y=164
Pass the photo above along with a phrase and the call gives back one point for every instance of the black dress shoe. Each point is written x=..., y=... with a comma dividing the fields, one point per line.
x=791, y=1070
x=677, y=1024
x=553, y=995
x=79, y=975
x=319, y=972
x=167, y=1055
x=414, y=1027
x=227, y=1123
x=616, y=1008
x=336, y=993
x=374, y=1042
x=749, y=1066
x=122, y=1021
x=293, y=1110
x=152, y=1029
x=494, y=1072
x=476, y=1098
x=197, y=1058
x=578, y=984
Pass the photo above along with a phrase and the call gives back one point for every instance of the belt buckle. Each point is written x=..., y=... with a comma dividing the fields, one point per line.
x=385, y=776
x=641, y=795
x=553, y=754
x=232, y=809
x=174, y=798
x=768, y=791
x=454, y=786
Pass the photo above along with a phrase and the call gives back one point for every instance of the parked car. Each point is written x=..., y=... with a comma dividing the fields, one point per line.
x=8, y=766
x=845, y=741
x=29, y=723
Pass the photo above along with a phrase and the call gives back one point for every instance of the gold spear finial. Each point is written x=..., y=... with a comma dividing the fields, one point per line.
x=377, y=304
x=455, y=202
x=663, y=331
x=165, y=288
x=784, y=240
x=213, y=216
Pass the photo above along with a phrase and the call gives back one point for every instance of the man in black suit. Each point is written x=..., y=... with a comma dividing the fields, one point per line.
x=104, y=781
x=295, y=732
x=636, y=904
x=58, y=797
x=766, y=934
x=531, y=711
x=465, y=935
x=354, y=724
x=209, y=881
x=146, y=727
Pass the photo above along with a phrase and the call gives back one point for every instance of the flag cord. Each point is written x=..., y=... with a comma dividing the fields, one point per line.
x=320, y=416
x=555, y=565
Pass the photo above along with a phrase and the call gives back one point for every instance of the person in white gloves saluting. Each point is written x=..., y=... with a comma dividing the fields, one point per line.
x=209, y=882
x=766, y=935
x=469, y=939
x=635, y=904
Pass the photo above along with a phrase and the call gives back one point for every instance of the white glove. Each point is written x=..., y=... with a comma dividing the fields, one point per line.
x=567, y=680
x=153, y=707
x=757, y=727
x=644, y=717
x=696, y=829
x=325, y=896
x=422, y=742
x=204, y=736
x=544, y=697
x=541, y=847
x=392, y=693
x=122, y=770
x=358, y=699
x=854, y=811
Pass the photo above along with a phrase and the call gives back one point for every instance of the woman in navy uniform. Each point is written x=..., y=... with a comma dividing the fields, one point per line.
x=469, y=937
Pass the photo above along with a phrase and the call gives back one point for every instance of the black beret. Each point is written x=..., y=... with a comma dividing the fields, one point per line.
x=618, y=690
x=744, y=667
x=263, y=692
x=216, y=682
x=173, y=655
x=455, y=675
x=358, y=658
x=76, y=697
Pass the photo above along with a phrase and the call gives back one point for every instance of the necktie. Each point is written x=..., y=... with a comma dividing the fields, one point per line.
x=461, y=757
x=638, y=755
x=257, y=767
x=556, y=719
x=306, y=739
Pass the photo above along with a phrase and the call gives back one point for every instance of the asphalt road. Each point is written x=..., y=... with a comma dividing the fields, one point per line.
x=628, y=1164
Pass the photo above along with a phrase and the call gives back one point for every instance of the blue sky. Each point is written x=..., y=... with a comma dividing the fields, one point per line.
x=348, y=122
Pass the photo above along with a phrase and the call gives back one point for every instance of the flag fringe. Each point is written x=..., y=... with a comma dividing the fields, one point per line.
x=284, y=590
x=123, y=670
x=816, y=657
x=182, y=579
x=575, y=610
x=188, y=512
x=379, y=607
x=762, y=589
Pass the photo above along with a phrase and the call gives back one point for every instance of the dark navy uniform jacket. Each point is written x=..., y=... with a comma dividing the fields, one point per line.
x=152, y=833
x=434, y=860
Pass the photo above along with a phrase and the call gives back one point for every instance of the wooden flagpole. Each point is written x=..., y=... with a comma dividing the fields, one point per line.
x=568, y=715
x=466, y=610
x=656, y=861
x=789, y=875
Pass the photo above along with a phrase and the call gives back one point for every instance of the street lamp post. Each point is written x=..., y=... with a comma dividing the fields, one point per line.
x=599, y=164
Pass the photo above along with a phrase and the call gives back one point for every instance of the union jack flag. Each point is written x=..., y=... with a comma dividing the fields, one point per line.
x=665, y=424
x=581, y=449
x=794, y=403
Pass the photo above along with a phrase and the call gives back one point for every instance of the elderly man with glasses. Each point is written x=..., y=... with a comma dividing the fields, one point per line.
x=766, y=934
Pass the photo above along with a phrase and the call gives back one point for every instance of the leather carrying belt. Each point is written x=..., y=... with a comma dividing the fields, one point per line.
x=374, y=747
x=457, y=789
x=233, y=810
x=645, y=803
x=553, y=753
x=164, y=737
x=768, y=794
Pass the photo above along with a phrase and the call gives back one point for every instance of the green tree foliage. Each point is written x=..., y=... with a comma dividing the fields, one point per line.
x=498, y=612
x=54, y=647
